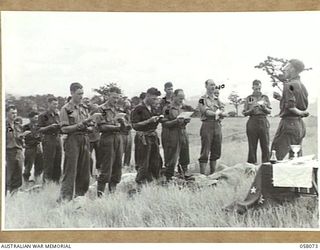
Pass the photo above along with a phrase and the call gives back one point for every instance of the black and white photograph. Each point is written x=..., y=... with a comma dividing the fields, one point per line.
x=160, y=120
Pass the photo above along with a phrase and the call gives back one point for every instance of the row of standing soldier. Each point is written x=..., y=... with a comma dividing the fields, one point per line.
x=83, y=125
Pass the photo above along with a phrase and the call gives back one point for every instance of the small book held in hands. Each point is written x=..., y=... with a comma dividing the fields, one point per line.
x=185, y=115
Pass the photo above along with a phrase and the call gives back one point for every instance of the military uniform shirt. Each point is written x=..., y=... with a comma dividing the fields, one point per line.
x=294, y=94
x=164, y=103
x=108, y=115
x=207, y=102
x=13, y=139
x=142, y=113
x=34, y=137
x=47, y=118
x=172, y=111
x=72, y=114
x=252, y=100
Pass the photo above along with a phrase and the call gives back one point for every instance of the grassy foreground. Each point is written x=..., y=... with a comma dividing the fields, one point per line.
x=155, y=206
x=171, y=206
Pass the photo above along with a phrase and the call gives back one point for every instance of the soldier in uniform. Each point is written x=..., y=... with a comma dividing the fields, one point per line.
x=141, y=98
x=126, y=134
x=111, y=145
x=75, y=122
x=293, y=107
x=94, y=136
x=211, y=112
x=49, y=126
x=257, y=106
x=165, y=101
x=177, y=140
x=14, y=156
x=135, y=101
x=33, y=148
x=145, y=122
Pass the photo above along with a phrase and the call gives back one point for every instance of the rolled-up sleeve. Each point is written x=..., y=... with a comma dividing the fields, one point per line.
x=202, y=107
x=267, y=102
x=245, y=106
x=136, y=117
x=101, y=119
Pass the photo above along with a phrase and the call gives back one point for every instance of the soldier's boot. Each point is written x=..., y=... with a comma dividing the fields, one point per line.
x=25, y=177
x=203, y=167
x=213, y=166
x=26, y=181
x=168, y=179
x=112, y=187
x=100, y=189
x=169, y=172
x=186, y=173
x=37, y=179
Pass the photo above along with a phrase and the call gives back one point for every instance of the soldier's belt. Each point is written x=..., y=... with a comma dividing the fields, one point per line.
x=177, y=128
x=51, y=134
x=147, y=133
x=78, y=133
x=210, y=120
x=143, y=134
x=257, y=116
x=291, y=117
x=31, y=145
x=111, y=133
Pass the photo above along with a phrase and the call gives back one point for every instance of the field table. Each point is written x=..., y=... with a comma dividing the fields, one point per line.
x=263, y=189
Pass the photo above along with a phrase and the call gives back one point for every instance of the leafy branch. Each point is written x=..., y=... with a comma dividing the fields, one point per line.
x=105, y=89
x=275, y=69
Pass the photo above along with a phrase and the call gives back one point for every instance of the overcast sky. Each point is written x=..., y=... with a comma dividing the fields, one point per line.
x=43, y=52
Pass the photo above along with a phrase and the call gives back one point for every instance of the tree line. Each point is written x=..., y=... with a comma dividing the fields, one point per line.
x=26, y=104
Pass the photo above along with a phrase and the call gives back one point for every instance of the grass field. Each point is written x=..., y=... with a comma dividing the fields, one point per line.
x=171, y=206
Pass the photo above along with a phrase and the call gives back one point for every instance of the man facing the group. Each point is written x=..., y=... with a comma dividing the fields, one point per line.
x=293, y=107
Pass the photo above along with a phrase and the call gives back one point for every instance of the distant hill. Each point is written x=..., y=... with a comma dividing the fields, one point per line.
x=193, y=101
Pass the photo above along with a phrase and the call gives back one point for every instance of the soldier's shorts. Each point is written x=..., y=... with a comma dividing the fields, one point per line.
x=14, y=162
x=291, y=131
x=211, y=139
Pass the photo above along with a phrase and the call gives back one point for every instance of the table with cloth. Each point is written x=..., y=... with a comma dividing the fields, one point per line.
x=281, y=182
